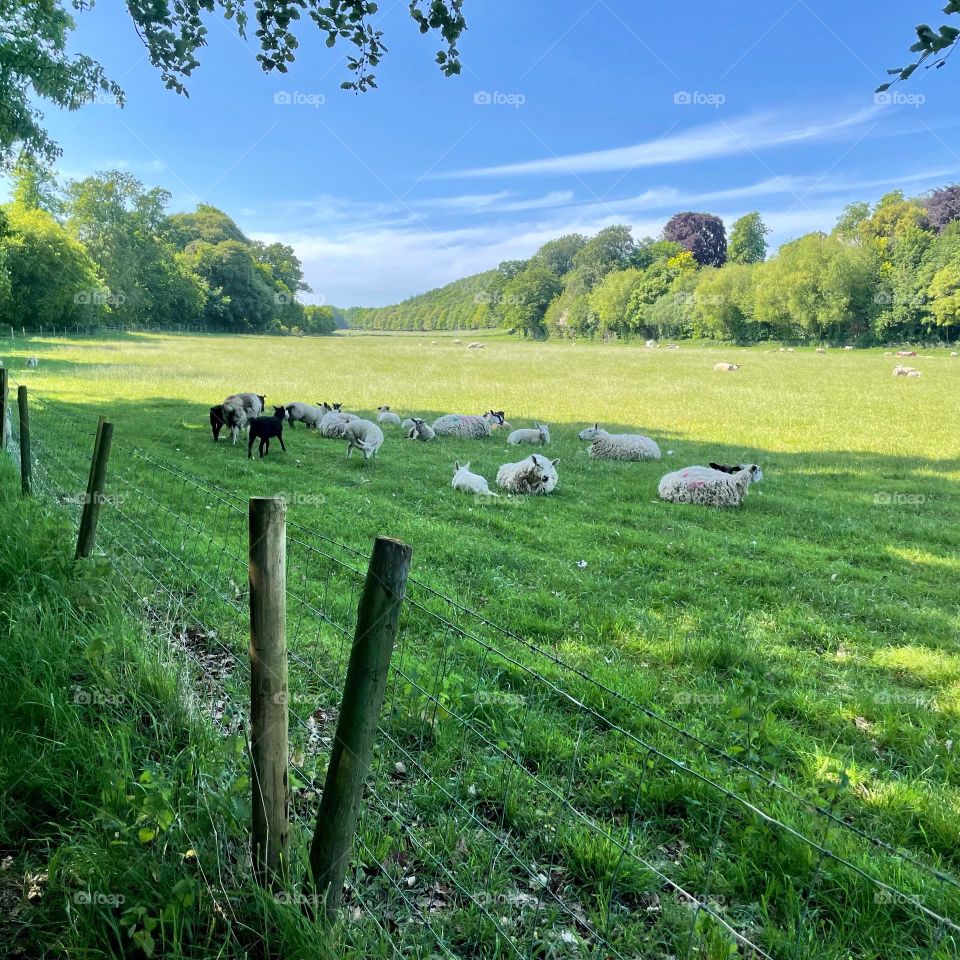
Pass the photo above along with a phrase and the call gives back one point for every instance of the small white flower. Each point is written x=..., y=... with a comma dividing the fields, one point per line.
x=582, y=564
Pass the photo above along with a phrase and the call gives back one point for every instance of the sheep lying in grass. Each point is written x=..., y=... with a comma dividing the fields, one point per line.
x=540, y=434
x=709, y=487
x=468, y=482
x=334, y=421
x=820, y=350
x=901, y=371
x=239, y=409
x=535, y=475
x=265, y=429
x=363, y=435
x=421, y=430
x=386, y=415
x=217, y=421
x=906, y=353
x=406, y=426
x=305, y=413
x=726, y=367
x=470, y=428
x=33, y=361
x=476, y=346
x=619, y=446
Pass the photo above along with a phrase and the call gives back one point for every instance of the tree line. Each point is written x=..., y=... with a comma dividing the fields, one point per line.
x=887, y=271
x=103, y=250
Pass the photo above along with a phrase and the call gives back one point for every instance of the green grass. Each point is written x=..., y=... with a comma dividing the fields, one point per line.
x=812, y=633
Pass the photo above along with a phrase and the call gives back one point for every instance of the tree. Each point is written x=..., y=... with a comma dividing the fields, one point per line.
x=205, y=223
x=610, y=300
x=320, y=320
x=558, y=255
x=943, y=206
x=35, y=187
x=935, y=44
x=849, y=221
x=748, y=240
x=526, y=297
x=702, y=234
x=723, y=303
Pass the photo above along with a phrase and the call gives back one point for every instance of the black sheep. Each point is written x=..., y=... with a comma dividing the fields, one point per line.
x=265, y=429
x=217, y=421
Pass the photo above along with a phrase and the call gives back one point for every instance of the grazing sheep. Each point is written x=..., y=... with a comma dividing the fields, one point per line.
x=476, y=346
x=901, y=371
x=535, y=475
x=539, y=434
x=305, y=413
x=363, y=435
x=820, y=350
x=709, y=487
x=469, y=482
x=421, y=430
x=471, y=428
x=906, y=353
x=217, y=421
x=239, y=409
x=458, y=340
x=619, y=446
x=386, y=415
x=33, y=361
x=334, y=421
x=848, y=347
x=265, y=429
x=726, y=367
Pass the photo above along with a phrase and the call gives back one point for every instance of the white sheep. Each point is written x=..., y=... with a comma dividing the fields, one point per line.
x=540, y=434
x=33, y=361
x=901, y=371
x=457, y=340
x=386, y=415
x=708, y=486
x=407, y=426
x=468, y=482
x=363, y=435
x=421, y=430
x=334, y=421
x=953, y=353
x=726, y=367
x=535, y=475
x=619, y=446
x=305, y=413
x=848, y=347
x=239, y=409
x=471, y=428
x=820, y=350
x=651, y=344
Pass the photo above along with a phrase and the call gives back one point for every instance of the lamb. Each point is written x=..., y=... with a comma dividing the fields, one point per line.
x=334, y=421
x=726, y=367
x=469, y=482
x=540, y=434
x=708, y=487
x=498, y=420
x=535, y=475
x=305, y=413
x=32, y=361
x=471, y=428
x=363, y=435
x=239, y=409
x=421, y=430
x=265, y=429
x=901, y=371
x=386, y=415
x=407, y=425
x=619, y=446
x=217, y=421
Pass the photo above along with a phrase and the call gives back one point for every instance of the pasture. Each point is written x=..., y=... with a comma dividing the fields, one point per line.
x=813, y=632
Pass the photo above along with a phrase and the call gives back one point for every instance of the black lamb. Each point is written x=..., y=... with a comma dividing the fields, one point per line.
x=265, y=429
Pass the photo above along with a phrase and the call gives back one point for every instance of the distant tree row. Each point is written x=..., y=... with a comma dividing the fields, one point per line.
x=103, y=250
x=885, y=272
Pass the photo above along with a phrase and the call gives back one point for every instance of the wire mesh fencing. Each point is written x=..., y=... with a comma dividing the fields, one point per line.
x=516, y=805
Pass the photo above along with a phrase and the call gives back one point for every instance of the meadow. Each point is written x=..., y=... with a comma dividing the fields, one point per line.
x=813, y=633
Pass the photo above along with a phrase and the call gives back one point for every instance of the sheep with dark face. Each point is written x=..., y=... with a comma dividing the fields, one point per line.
x=719, y=485
x=217, y=421
x=420, y=430
x=535, y=475
x=265, y=429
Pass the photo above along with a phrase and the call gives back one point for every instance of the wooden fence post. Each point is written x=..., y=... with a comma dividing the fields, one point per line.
x=87, y=535
x=268, y=688
x=378, y=618
x=4, y=390
x=26, y=464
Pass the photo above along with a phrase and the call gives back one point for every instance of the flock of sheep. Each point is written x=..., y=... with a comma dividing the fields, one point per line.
x=718, y=485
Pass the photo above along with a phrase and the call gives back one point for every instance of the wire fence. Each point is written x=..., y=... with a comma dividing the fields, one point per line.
x=516, y=806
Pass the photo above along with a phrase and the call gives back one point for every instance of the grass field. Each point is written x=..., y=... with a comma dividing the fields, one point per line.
x=813, y=632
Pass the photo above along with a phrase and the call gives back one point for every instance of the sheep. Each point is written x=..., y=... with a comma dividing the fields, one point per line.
x=498, y=420
x=651, y=344
x=953, y=353
x=708, y=487
x=386, y=415
x=457, y=340
x=619, y=446
x=407, y=426
x=265, y=429
x=726, y=367
x=535, y=475
x=334, y=421
x=239, y=409
x=539, y=434
x=471, y=428
x=906, y=353
x=217, y=421
x=820, y=350
x=914, y=373
x=33, y=361
x=305, y=413
x=901, y=371
x=421, y=430
x=469, y=482
x=363, y=435
x=848, y=347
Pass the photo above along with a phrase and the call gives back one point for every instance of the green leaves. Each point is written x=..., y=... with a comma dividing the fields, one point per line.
x=929, y=43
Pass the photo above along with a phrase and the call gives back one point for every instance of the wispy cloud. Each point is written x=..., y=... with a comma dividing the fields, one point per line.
x=720, y=139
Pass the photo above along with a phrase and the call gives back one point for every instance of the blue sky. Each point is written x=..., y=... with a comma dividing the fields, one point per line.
x=569, y=115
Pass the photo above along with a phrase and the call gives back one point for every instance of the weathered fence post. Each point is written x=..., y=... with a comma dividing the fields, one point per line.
x=87, y=535
x=268, y=688
x=378, y=618
x=4, y=389
x=26, y=464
